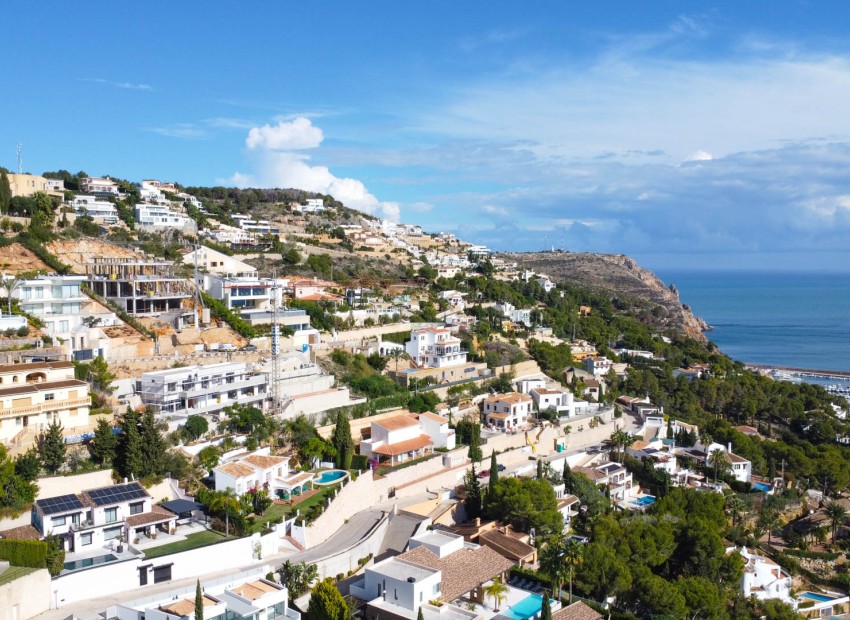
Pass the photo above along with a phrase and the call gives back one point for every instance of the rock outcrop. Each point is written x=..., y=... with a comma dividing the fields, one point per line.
x=619, y=276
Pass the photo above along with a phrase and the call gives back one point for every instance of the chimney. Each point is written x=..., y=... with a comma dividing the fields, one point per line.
x=477, y=521
x=729, y=447
x=508, y=528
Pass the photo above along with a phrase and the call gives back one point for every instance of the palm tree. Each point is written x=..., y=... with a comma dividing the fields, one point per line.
x=735, y=505
x=720, y=460
x=836, y=513
x=768, y=521
x=552, y=563
x=618, y=438
x=497, y=590
x=397, y=354
x=573, y=557
x=225, y=500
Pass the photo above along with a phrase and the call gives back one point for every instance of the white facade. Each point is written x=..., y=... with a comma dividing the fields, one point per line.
x=202, y=390
x=434, y=347
x=764, y=578
x=242, y=295
x=597, y=366
x=507, y=411
x=512, y=313
x=99, y=186
x=101, y=211
x=556, y=399
x=400, y=584
x=437, y=428
x=398, y=438
x=314, y=205
x=213, y=261
x=161, y=216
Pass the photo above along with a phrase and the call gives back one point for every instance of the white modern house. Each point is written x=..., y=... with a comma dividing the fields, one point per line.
x=215, y=262
x=598, y=366
x=437, y=428
x=161, y=216
x=97, y=516
x=177, y=393
x=261, y=470
x=512, y=313
x=434, y=347
x=99, y=186
x=238, y=598
x=554, y=399
x=314, y=205
x=507, y=412
x=101, y=211
x=763, y=578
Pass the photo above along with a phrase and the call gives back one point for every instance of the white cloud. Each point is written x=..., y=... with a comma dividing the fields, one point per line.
x=285, y=136
x=124, y=85
x=279, y=161
x=699, y=156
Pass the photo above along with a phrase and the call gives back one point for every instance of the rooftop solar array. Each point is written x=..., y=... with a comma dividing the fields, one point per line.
x=56, y=505
x=117, y=494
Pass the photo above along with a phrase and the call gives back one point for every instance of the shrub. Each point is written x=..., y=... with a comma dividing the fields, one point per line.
x=27, y=553
x=359, y=462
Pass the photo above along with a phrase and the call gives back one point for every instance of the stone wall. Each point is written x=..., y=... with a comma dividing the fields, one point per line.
x=25, y=597
x=346, y=560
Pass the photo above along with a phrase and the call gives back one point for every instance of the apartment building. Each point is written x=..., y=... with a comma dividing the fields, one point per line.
x=215, y=262
x=314, y=205
x=139, y=286
x=99, y=186
x=60, y=303
x=32, y=396
x=161, y=216
x=243, y=295
x=261, y=227
x=177, y=393
x=101, y=211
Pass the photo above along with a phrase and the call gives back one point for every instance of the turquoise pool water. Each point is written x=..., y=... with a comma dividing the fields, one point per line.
x=331, y=476
x=761, y=486
x=86, y=563
x=814, y=596
x=644, y=501
x=528, y=607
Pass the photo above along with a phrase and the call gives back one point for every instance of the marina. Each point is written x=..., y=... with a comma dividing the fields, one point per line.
x=835, y=382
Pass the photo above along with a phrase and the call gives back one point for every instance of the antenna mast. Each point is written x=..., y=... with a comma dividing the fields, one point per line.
x=20, y=161
x=277, y=297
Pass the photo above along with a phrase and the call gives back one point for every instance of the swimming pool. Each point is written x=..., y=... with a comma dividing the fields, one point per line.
x=643, y=502
x=814, y=596
x=88, y=562
x=761, y=486
x=331, y=476
x=528, y=607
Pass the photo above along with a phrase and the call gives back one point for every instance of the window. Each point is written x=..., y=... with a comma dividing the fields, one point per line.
x=49, y=396
x=112, y=533
x=143, y=575
x=111, y=515
x=162, y=573
x=137, y=508
x=436, y=588
x=86, y=539
x=57, y=521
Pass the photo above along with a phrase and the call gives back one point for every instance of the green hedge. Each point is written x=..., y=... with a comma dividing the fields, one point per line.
x=223, y=313
x=812, y=555
x=46, y=257
x=360, y=462
x=28, y=553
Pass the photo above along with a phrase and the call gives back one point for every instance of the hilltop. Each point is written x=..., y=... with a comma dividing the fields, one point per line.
x=620, y=276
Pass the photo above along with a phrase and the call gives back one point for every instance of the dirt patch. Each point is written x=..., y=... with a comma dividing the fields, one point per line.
x=79, y=252
x=16, y=259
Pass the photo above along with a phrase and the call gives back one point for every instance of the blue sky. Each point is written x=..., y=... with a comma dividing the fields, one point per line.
x=684, y=134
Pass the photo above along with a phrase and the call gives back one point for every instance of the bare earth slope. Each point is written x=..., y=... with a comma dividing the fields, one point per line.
x=617, y=274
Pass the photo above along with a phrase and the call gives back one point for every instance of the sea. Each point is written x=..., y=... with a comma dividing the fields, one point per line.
x=793, y=319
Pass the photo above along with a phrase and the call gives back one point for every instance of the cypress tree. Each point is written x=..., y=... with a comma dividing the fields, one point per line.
x=475, y=453
x=494, y=470
x=130, y=461
x=539, y=469
x=473, y=502
x=152, y=446
x=546, y=610
x=419, y=616
x=199, y=602
x=341, y=440
x=5, y=192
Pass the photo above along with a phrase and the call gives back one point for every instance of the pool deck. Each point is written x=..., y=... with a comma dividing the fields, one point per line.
x=514, y=596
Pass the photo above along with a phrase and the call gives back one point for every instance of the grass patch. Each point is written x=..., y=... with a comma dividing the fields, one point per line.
x=15, y=572
x=192, y=541
x=278, y=512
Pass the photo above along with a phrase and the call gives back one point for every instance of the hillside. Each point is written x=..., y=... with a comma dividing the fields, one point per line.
x=619, y=275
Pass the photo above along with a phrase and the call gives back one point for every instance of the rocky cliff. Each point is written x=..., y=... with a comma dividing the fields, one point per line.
x=618, y=275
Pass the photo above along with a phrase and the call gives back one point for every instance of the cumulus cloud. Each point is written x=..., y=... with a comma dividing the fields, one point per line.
x=280, y=161
x=285, y=136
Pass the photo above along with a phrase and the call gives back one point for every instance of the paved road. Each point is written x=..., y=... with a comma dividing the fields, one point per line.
x=347, y=536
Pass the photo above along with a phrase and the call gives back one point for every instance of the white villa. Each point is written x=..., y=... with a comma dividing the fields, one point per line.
x=261, y=470
x=434, y=347
x=404, y=437
x=763, y=578
x=101, y=211
x=213, y=261
x=507, y=411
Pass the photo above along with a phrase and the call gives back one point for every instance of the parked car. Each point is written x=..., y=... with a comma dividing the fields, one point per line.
x=227, y=347
x=501, y=467
x=484, y=473
x=249, y=347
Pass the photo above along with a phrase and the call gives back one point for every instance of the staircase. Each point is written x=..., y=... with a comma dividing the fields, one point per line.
x=293, y=542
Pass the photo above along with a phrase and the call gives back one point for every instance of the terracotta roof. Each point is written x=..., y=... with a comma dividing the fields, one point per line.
x=577, y=611
x=747, y=430
x=34, y=388
x=24, y=532
x=639, y=444
x=298, y=478
x=511, y=398
x=34, y=366
x=394, y=449
x=506, y=545
x=434, y=416
x=185, y=606
x=591, y=383
x=569, y=500
x=158, y=514
x=734, y=458
x=236, y=469
x=263, y=461
x=462, y=570
x=397, y=422
x=592, y=474
x=254, y=590
x=320, y=297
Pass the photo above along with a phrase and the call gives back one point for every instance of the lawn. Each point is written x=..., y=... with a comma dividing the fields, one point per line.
x=193, y=541
x=15, y=572
x=282, y=511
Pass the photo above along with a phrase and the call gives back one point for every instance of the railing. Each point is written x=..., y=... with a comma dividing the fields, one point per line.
x=47, y=406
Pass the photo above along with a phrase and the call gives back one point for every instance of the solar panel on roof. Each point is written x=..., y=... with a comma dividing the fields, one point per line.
x=117, y=494
x=63, y=503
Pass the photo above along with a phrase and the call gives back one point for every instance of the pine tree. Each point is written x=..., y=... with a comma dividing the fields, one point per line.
x=342, y=441
x=472, y=486
x=130, y=461
x=199, y=602
x=104, y=442
x=52, y=447
x=326, y=603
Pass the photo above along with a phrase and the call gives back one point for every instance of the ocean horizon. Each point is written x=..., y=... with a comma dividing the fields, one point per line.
x=784, y=318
